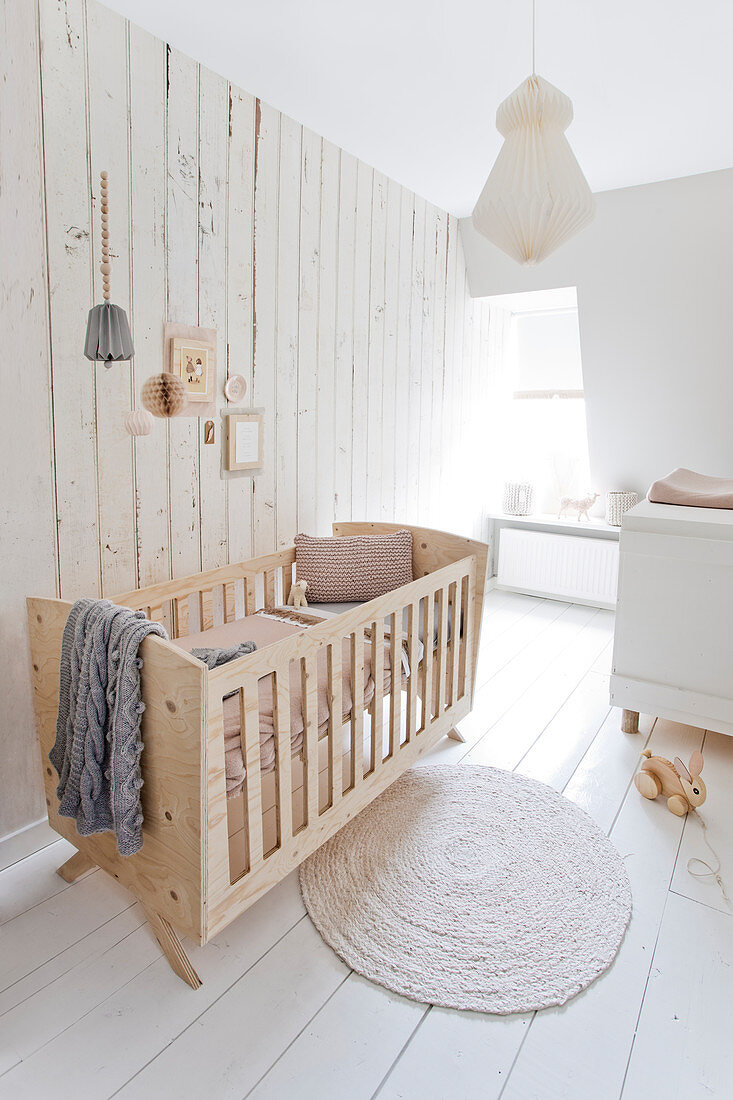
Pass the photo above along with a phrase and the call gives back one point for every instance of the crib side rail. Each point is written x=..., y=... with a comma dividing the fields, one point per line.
x=217, y=596
x=364, y=748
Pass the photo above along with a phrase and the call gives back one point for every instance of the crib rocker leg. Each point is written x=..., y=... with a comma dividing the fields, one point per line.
x=172, y=948
x=75, y=867
x=456, y=735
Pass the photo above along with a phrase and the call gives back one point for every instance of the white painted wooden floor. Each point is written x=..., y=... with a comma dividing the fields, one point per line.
x=90, y=1009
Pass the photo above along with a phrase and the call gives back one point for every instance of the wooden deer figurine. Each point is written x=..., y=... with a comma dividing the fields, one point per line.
x=682, y=787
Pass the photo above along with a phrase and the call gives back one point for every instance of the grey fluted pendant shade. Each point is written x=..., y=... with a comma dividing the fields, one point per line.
x=536, y=196
x=108, y=334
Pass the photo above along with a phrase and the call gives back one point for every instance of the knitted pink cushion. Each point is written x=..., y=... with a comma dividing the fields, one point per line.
x=354, y=567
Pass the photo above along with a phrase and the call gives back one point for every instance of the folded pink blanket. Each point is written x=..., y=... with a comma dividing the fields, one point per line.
x=692, y=490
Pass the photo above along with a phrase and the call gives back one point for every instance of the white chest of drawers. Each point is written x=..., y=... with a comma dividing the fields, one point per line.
x=673, y=644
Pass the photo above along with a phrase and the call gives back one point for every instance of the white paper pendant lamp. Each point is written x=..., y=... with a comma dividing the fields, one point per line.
x=536, y=196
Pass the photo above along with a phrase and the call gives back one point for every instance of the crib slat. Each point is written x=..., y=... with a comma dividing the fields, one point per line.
x=428, y=654
x=413, y=618
x=468, y=632
x=181, y=616
x=207, y=609
x=281, y=714
x=334, y=660
x=230, y=602
x=377, y=704
x=155, y=613
x=395, y=661
x=462, y=662
x=286, y=580
x=357, y=707
x=270, y=600
x=442, y=650
x=250, y=599
x=309, y=695
x=249, y=711
x=455, y=633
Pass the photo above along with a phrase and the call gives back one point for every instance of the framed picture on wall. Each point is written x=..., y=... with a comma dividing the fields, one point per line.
x=244, y=444
x=190, y=359
x=191, y=353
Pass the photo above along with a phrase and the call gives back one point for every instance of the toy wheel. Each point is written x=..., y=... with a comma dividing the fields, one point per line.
x=647, y=785
x=677, y=804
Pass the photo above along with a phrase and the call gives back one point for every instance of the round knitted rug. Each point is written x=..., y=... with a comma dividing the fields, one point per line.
x=469, y=887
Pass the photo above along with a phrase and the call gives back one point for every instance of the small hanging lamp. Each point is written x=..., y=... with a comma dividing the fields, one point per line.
x=536, y=196
x=108, y=330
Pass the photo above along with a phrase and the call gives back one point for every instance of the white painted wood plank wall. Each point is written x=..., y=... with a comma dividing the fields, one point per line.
x=339, y=295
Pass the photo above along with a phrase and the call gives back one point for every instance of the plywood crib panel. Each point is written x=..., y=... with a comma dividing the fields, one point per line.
x=205, y=859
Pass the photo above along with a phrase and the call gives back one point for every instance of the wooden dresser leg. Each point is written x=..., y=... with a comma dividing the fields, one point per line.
x=630, y=721
x=172, y=948
x=456, y=735
x=75, y=867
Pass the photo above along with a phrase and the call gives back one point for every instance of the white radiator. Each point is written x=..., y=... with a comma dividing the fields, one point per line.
x=567, y=567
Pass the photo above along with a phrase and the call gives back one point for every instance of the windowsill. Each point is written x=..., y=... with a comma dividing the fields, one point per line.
x=594, y=526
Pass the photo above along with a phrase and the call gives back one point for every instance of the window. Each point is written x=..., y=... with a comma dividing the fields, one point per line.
x=541, y=405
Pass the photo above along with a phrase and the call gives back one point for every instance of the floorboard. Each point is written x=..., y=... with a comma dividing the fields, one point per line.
x=90, y=1009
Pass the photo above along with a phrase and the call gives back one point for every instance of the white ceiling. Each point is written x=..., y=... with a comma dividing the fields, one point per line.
x=412, y=86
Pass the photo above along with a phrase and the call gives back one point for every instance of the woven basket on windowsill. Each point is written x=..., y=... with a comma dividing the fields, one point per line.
x=617, y=503
x=518, y=498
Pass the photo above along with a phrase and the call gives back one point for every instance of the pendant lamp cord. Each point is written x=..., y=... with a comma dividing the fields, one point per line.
x=533, y=36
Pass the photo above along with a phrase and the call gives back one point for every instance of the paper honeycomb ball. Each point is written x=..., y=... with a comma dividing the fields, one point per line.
x=164, y=395
x=139, y=422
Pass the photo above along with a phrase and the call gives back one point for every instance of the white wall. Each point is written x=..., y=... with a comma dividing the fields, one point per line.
x=654, y=274
x=341, y=297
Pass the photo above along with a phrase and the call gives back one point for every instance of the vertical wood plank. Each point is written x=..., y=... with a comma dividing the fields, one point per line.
x=286, y=414
x=389, y=474
x=309, y=695
x=27, y=527
x=240, y=303
x=267, y=158
x=427, y=364
x=403, y=426
x=249, y=710
x=442, y=652
x=413, y=619
x=395, y=659
x=357, y=706
x=148, y=65
x=360, y=388
x=326, y=363
x=428, y=653
x=344, y=367
x=68, y=214
x=375, y=397
x=414, y=420
x=334, y=660
x=108, y=143
x=307, y=380
x=377, y=705
x=281, y=714
x=437, y=370
x=212, y=299
x=182, y=269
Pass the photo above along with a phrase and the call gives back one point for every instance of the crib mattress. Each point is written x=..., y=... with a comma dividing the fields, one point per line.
x=264, y=631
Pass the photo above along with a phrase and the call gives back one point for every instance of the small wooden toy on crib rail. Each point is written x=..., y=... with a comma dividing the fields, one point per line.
x=683, y=788
x=297, y=598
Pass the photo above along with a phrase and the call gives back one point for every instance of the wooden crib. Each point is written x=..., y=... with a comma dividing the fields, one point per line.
x=206, y=858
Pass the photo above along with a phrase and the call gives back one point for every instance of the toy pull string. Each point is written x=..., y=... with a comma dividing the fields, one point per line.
x=708, y=871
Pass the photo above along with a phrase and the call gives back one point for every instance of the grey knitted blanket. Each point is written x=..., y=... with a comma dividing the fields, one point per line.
x=98, y=743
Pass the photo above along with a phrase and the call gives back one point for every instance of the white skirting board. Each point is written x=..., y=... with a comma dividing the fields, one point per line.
x=566, y=567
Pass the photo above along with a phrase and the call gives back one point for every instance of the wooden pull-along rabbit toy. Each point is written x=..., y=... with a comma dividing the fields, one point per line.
x=682, y=787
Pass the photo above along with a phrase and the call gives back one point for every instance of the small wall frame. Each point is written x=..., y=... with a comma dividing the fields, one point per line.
x=191, y=356
x=243, y=444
